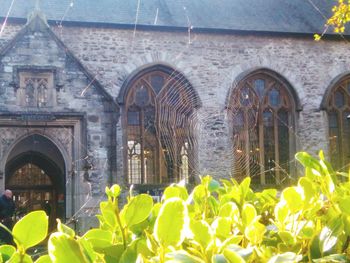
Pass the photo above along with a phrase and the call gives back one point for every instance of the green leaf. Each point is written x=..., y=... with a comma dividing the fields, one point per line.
x=213, y=205
x=63, y=248
x=6, y=252
x=34, y=222
x=344, y=204
x=248, y=214
x=112, y=253
x=137, y=210
x=99, y=238
x=293, y=198
x=281, y=213
x=233, y=257
x=200, y=194
x=182, y=256
x=287, y=237
x=175, y=191
x=171, y=223
x=308, y=161
x=201, y=232
x=109, y=215
x=87, y=250
x=229, y=209
x=255, y=232
x=244, y=253
x=218, y=258
x=222, y=227
x=332, y=258
x=65, y=229
x=44, y=259
x=288, y=257
x=244, y=187
x=327, y=240
x=308, y=188
x=18, y=258
x=115, y=190
x=129, y=255
x=213, y=185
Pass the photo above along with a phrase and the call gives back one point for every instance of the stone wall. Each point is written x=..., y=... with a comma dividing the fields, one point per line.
x=212, y=63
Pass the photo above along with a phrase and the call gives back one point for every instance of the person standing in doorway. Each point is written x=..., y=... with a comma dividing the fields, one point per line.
x=7, y=210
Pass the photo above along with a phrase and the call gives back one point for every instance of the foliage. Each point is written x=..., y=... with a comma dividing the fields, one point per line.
x=340, y=17
x=216, y=222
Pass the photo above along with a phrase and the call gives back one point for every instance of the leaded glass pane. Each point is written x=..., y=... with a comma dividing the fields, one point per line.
x=133, y=118
x=259, y=87
x=254, y=152
x=134, y=162
x=42, y=92
x=30, y=92
x=339, y=99
x=346, y=139
x=283, y=144
x=142, y=97
x=269, y=147
x=238, y=121
x=30, y=175
x=274, y=97
x=157, y=82
x=245, y=97
x=334, y=139
x=149, y=120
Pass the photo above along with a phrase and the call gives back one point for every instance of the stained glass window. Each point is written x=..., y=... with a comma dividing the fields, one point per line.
x=338, y=109
x=30, y=175
x=158, y=129
x=262, y=109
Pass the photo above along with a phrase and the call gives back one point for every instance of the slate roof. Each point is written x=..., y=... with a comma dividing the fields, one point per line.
x=289, y=16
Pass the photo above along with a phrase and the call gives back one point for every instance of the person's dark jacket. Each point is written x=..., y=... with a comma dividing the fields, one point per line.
x=7, y=207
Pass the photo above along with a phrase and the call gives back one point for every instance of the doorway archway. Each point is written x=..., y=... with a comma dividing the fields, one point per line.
x=35, y=172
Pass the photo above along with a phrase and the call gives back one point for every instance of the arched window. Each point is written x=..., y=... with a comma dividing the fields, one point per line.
x=338, y=110
x=261, y=111
x=159, y=113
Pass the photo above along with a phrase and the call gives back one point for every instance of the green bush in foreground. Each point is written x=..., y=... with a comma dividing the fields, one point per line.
x=216, y=222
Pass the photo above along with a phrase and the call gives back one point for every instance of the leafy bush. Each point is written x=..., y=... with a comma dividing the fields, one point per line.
x=216, y=222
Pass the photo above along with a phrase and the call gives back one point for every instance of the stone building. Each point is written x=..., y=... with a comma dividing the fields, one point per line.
x=152, y=92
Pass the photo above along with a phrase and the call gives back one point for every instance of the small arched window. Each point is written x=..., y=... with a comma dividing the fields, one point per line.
x=261, y=110
x=159, y=113
x=338, y=110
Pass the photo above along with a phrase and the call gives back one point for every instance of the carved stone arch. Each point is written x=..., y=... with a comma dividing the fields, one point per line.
x=272, y=73
x=331, y=86
x=59, y=145
x=36, y=170
x=167, y=69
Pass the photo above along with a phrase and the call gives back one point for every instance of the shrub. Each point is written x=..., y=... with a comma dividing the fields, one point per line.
x=216, y=222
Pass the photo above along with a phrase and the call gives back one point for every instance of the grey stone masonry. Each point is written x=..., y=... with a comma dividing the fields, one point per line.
x=212, y=63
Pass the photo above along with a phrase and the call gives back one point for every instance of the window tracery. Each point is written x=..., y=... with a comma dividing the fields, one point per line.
x=338, y=111
x=261, y=111
x=36, y=90
x=158, y=129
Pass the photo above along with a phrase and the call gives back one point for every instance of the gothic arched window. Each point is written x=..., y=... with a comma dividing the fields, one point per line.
x=338, y=110
x=159, y=110
x=261, y=110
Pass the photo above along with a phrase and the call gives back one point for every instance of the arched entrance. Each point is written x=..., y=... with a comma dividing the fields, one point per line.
x=35, y=172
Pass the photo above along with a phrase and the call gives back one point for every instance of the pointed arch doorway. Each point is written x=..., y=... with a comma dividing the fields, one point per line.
x=35, y=172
